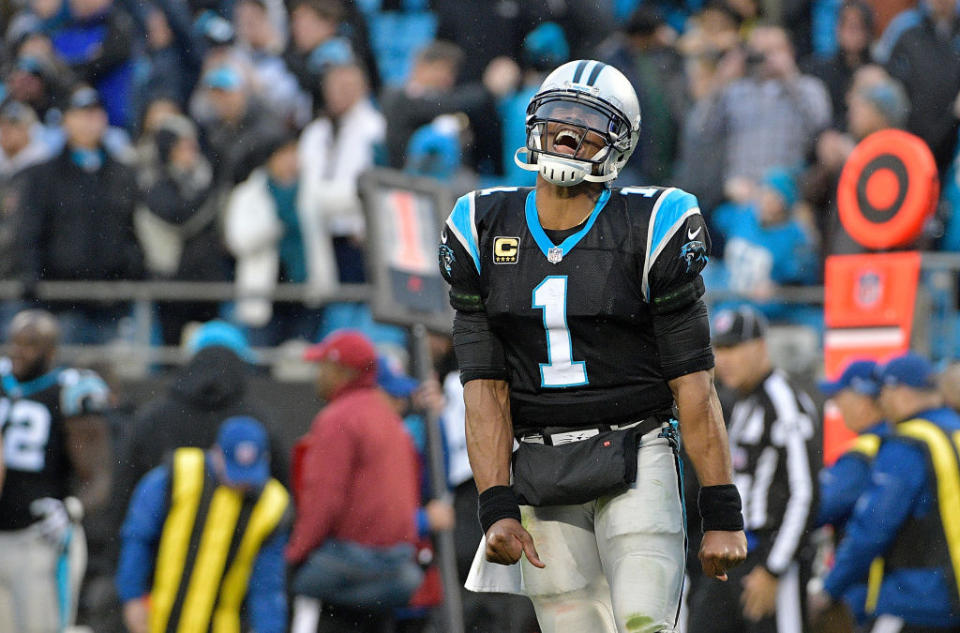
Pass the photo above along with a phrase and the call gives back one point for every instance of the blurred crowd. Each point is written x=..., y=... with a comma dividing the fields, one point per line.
x=222, y=140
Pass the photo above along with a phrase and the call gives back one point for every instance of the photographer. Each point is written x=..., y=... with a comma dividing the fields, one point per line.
x=766, y=117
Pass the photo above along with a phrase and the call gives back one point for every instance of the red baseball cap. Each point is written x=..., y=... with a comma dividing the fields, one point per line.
x=349, y=348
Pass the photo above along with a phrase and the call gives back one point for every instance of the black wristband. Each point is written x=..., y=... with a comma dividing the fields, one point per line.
x=497, y=502
x=720, y=508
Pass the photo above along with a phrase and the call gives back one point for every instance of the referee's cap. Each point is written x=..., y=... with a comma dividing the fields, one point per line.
x=734, y=326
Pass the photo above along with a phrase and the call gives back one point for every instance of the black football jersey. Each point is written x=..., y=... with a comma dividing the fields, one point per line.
x=34, y=448
x=574, y=317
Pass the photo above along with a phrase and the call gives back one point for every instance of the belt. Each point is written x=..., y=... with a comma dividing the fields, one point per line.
x=558, y=436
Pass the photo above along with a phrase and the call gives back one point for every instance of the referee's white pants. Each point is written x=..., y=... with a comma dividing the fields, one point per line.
x=39, y=582
x=613, y=565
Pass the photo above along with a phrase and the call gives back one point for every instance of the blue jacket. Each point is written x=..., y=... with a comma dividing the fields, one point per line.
x=843, y=483
x=266, y=596
x=840, y=487
x=902, y=487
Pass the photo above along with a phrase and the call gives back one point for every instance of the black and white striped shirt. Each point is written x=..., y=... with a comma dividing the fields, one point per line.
x=774, y=446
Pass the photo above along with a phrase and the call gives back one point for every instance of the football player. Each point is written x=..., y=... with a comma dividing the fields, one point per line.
x=52, y=435
x=578, y=318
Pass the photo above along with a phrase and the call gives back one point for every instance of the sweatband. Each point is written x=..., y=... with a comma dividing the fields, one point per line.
x=497, y=502
x=720, y=508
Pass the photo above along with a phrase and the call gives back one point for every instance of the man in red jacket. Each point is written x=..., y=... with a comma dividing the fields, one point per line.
x=355, y=487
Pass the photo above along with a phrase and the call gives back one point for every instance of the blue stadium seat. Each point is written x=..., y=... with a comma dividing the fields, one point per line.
x=396, y=37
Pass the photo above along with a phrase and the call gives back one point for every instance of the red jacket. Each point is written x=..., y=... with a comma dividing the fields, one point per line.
x=354, y=476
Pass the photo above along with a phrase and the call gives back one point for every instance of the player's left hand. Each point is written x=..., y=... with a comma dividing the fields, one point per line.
x=507, y=540
x=759, y=597
x=720, y=551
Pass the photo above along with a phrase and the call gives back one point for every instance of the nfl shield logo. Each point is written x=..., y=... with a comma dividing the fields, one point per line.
x=868, y=290
x=246, y=453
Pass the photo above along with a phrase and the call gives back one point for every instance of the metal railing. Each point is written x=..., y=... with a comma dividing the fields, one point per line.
x=935, y=330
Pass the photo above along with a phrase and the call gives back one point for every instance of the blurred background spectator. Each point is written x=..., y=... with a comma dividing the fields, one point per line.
x=874, y=102
x=21, y=146
x=765, y=116
x=334, y=150
x=211, y=387
x=78, y=220
x=854, y=35
x=226, y=489
x=277, y=235
x=926, y=60
x=644, y=52
x=238, y=124
x=177, y=222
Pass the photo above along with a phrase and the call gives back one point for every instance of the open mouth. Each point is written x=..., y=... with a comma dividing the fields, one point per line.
x=566, y=142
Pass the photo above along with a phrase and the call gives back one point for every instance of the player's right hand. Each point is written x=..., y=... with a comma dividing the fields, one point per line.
x=136, y=615
x=54, y=519
x=720, y=551
x=507, y=540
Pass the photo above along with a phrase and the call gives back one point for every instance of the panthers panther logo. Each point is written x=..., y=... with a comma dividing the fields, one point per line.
x=695, y=254
x=446, y=259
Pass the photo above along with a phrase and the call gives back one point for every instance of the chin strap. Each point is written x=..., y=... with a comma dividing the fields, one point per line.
x=563, y=172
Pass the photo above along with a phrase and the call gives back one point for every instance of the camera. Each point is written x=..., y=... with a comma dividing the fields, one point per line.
x=754, y=58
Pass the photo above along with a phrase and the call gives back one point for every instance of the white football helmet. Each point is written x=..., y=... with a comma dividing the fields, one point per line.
x=583, y=101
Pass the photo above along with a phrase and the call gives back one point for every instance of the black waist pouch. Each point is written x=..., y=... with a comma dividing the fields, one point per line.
x=576, y=472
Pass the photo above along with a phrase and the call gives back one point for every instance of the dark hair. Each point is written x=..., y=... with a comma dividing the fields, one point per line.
x=329, y=9
x=644, y=21
x=441, y=51
x=260, y=3
x=722, y=6
x=865, y=10
x=270, y=144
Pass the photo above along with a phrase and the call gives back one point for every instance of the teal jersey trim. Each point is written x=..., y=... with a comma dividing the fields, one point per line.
x=462, y=222
x=540, y=236
x=670, y=211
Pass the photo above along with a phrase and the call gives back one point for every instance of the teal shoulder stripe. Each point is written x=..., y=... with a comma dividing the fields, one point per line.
x=669, y=213
x=462, y=223
x=674, y=205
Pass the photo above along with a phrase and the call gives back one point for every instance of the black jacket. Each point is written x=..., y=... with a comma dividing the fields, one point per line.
x=928, y=65
x=78, y=224
x=204, y=393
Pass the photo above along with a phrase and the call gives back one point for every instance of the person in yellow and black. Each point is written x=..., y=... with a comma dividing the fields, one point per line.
x=905, y=530
x=204, y=536
x=854, y=394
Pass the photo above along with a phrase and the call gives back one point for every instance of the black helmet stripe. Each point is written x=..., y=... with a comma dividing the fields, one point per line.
x=597, y=69
x=578, y=73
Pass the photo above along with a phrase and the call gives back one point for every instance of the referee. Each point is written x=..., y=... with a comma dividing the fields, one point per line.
x=772, y=429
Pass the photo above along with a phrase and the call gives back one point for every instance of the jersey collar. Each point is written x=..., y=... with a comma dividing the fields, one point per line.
x=540, y=236
x=16, y=389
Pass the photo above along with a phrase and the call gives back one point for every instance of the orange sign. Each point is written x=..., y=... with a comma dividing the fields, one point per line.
x=868, y=311
x=888, y=189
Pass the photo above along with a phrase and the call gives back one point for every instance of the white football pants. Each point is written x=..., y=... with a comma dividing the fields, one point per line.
x=39, y=582
x=613, y=565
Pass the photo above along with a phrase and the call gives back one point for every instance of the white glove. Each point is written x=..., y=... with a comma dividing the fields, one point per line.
x=55, y=517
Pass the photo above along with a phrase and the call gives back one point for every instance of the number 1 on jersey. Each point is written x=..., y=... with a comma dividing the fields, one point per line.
x=561, y=370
